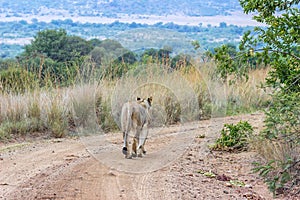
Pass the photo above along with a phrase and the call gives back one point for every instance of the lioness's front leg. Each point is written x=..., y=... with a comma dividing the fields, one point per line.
x=138, y=140
x=142, y=140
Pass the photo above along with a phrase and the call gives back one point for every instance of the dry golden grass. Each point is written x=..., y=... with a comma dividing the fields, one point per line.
x=276, y=149
x=187, y=94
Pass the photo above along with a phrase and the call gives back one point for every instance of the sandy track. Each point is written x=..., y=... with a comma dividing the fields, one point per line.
x=93, y=167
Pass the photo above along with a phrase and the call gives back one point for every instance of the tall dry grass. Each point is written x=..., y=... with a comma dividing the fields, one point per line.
x=190, y=93
x=217, y=98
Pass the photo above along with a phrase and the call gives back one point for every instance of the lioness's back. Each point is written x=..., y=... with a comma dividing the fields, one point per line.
x=132, y=111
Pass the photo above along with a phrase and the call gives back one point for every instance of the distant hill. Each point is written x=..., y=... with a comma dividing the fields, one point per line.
x=114, y=8
x=137, y=24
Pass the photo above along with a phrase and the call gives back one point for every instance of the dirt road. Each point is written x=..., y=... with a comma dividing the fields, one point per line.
x=93, y=167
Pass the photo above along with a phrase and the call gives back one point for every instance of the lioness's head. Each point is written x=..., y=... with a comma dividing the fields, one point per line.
x=147, y=103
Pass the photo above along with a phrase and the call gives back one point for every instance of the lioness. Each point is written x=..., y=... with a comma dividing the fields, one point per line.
x=135, y=116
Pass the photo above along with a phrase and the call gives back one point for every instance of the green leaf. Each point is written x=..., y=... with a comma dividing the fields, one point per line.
x=209, y=174
x=237, y=183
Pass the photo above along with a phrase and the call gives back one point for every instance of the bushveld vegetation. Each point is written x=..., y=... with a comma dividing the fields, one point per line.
x=276, y=45
x=64, y=84
x=132, y=35
x=56, y=88
x=234, y=137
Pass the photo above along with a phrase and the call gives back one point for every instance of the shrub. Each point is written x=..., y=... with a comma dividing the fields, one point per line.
x=4, y=131
x=282, y=118
x=172, y=109
x=17, y=80
x=278, y=173
x=57, y=121
x=279, y=143
x=104, y=115
x=9, y=129
x=234, y=137
x=204, y=102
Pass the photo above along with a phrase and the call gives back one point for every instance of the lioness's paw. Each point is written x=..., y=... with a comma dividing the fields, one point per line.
x=128, y=156
x=140, y=155
x=133, y=155
x=124, y=150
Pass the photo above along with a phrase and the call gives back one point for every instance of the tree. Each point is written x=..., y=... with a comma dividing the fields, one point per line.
x=58, y=46
x=223, y=25
x=74, y=48
x=48, y=42
x=160, y=55
x=127, y=57
x=110, y=45
x=55, y=54
x=94, y=42
x=108, y=51
x=229, y=61
x=278, y=45
x=98, y=56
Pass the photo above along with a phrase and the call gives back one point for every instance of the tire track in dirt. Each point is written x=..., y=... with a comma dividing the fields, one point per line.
x=20, y=163
x=63, y=169
x=158, y=157
x=93, y=167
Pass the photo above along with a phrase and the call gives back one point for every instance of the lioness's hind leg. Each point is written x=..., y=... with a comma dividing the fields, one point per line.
x=125, y=145
x=134, y=147
x=140, y=151
x=143, y=150
x=124, y=150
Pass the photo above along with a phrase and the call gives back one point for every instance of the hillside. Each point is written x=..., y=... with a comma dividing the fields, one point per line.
x=20, y=21
x=113, y=8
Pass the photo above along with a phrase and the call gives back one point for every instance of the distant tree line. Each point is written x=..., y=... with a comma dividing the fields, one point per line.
x=209, y=36
x=54, y=57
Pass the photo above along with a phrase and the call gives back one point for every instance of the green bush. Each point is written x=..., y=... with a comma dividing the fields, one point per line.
x=5, y=131
x=278, y=173
x=234, y=137
x=17, y=80
x=282, y=124
x=13, y=129
x=282, y=118
x=275, y=45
